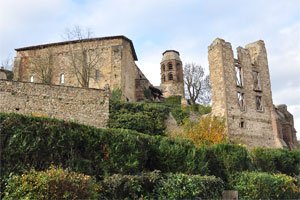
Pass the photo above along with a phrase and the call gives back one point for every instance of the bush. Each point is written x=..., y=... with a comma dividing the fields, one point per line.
x=206, y=131
x=179, y=114
x=54, y=183
x=225, y=160
x=173, y=100
x=155, y=185
x=177, y=155
x=276, y=160
x=181, y=186
x=260, y=185
x=33, y=142
x=143, y=117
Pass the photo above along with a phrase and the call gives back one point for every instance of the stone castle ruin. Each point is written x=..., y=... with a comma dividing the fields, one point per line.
x=241, y=90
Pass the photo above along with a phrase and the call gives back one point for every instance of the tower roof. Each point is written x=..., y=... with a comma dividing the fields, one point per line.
x=170, y=55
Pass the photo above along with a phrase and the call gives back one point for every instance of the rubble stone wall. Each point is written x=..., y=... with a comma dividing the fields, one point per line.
x=87, y=106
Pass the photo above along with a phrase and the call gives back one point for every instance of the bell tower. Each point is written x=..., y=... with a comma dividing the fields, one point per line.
x=171, y=74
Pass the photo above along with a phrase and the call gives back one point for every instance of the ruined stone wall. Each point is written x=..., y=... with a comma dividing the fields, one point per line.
x=87, y=106
x=246, y=123
x=285, y=126
x=116, y=66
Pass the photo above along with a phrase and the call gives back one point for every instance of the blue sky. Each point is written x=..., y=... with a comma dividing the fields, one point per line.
x=188, y=26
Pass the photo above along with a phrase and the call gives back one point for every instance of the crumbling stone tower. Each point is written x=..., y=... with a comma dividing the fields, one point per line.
x=241, y=92
x=171, y=74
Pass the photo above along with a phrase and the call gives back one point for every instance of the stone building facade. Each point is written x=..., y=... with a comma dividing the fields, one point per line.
x=83, y=105
x=114, y=65
x=241, y=92
x=171, y=74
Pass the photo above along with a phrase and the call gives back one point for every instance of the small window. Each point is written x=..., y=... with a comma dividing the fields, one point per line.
x=238, y=74
x=163, y=67
x=170, y=76
x=62, y=79
x=241, y=101
x=163, y=78
x=97, y=75
x=177, y=66
x=178, y=77
x=242, y=123
x=256, y=81
x=259, y=103
x=170, y=66
x=31, y=79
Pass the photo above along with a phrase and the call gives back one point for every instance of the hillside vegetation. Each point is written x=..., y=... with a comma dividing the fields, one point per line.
x=126, y=162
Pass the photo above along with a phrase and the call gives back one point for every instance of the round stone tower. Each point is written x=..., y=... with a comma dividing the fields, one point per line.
x=171, y=74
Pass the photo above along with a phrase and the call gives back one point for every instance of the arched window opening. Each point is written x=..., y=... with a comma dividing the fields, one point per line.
x=62, y=79
x=170, y=66
x=170, y=76
x=163, y=67
x=177, y=66
x=163, y=78
x=31, y=79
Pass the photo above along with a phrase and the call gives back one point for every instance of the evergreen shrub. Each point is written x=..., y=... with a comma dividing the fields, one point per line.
x=143, y=117
x=276, y=160
x=155, y=185
x=173, y=100
x=261, y=185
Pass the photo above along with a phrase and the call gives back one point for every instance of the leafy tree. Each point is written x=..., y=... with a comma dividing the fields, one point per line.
x=207, y=131
x=197, y=83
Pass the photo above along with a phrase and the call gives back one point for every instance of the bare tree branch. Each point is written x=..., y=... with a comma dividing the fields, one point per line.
x=42, y=66
x=84, y=56
x=197, y=84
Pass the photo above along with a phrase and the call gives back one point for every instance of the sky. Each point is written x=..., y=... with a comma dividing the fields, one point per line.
x=188, y=26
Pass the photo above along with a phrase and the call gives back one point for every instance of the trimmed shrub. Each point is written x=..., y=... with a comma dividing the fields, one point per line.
x=54, y=183
x=177, y=155
x=261, y=185
x=225, y=160
x=33, y=142
x=155, y=185
x=276, y=160
x=173, y=100
x=182, y=186
x=143, y=117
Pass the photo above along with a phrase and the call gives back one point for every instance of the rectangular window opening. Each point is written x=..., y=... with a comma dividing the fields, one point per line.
x=259, y=103
x=97, y=75
x=256, y=81
x=238, y=74
x=242, y=123
x=241, y=101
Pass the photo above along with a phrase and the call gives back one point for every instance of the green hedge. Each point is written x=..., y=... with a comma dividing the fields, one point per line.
x=33, y=142
x=143, y=117
x=261, y=185
x=276, y=160
x=155, y=185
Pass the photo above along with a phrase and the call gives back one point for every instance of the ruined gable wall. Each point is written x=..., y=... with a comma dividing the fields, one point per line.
x=87, y=106
x=257, y=127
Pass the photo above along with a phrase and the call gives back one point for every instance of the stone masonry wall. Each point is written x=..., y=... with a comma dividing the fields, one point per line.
x=87, y=106
x=251, y=126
